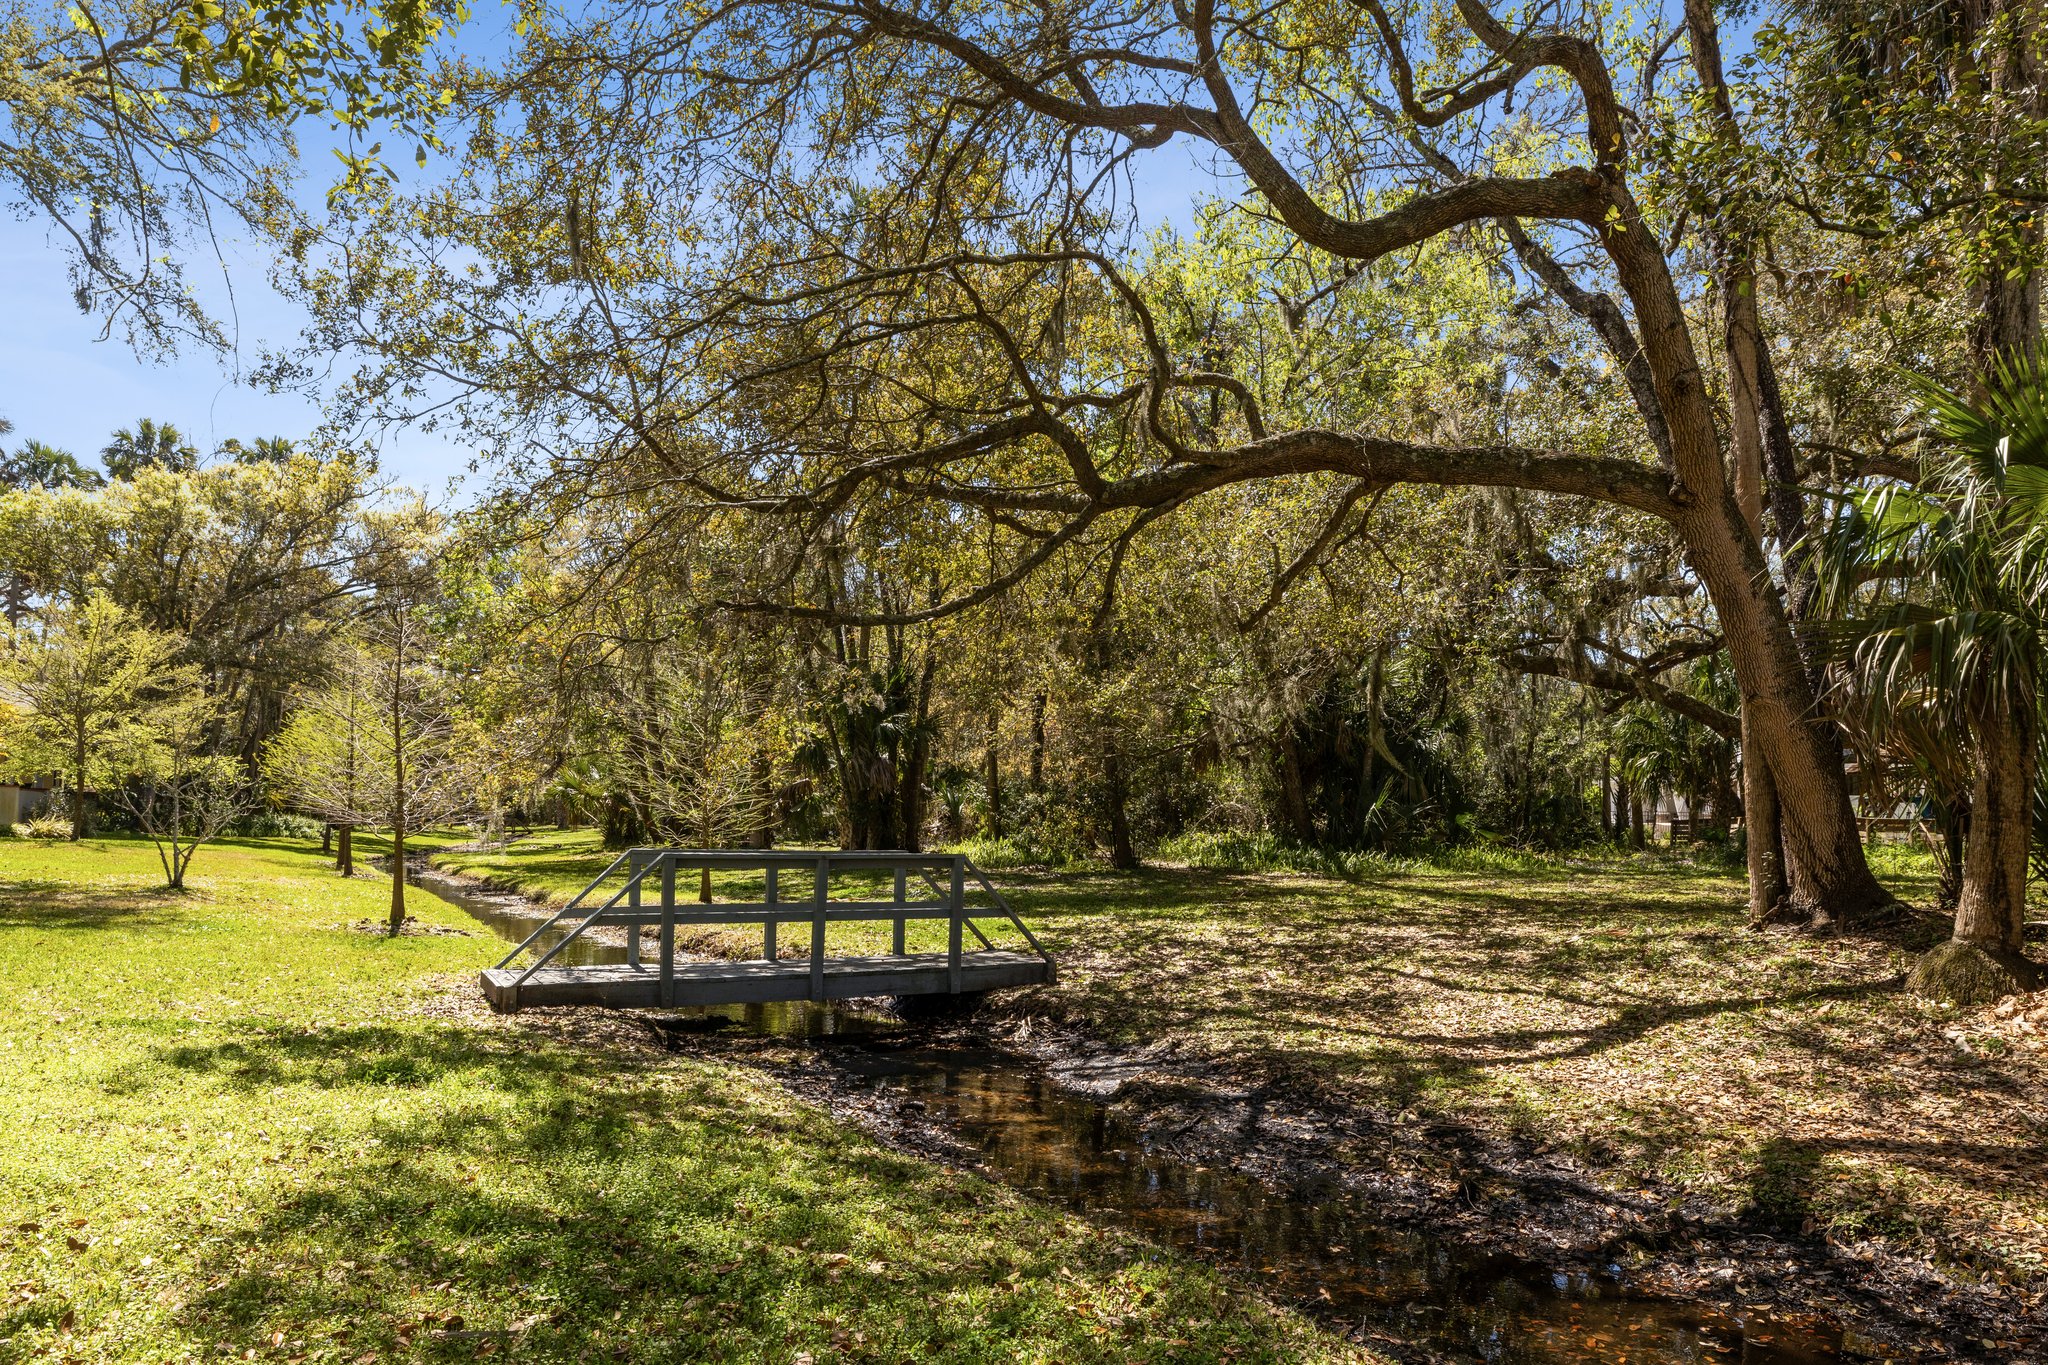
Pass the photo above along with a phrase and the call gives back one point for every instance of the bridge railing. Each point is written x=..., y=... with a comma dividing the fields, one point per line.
x=796, y=891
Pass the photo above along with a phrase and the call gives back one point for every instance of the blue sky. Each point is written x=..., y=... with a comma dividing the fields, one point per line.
x=59, y=383
x=64, y=386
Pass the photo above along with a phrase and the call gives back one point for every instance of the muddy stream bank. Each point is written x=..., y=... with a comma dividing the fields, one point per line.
x=1530, y=1266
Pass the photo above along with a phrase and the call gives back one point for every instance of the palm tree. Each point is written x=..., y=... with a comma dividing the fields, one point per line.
x=149, y=444
x=1939, y=600
x=38, y=463
x=262, y=450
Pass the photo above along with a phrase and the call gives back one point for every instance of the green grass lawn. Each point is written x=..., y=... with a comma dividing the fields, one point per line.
x=1611, y=1007
x=234, y=1127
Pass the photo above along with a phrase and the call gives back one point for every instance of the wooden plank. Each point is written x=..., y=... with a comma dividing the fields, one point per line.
x=959, y=899
x=753, y=981
x=824, y=890
x=668, y=933
x=797, y=912
x=633, y=918
x=896, y=938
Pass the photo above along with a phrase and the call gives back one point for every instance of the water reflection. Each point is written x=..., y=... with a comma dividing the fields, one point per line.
x=1314, y=1246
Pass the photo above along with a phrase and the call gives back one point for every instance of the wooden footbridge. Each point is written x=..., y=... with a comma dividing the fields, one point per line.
x=797, y=887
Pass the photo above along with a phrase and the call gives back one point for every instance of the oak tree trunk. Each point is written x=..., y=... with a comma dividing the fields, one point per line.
x=345, y=856
x=1829, y=881
x=1763, y=841
x=1293, y=799
x=1117, y=793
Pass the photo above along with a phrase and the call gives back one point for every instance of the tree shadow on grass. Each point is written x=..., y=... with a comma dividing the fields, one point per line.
x=575, y=1205
x=51, y=904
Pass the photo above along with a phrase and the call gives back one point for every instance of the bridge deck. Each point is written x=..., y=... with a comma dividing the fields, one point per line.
x=738, y=983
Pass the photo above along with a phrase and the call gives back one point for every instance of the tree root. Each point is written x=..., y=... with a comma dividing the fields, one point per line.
x=1971, y=974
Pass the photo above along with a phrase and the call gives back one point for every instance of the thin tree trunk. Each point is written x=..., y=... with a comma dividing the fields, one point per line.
x=398, y=802
x=1762, y=844
x=1635, y=818
x=1293, y=799
x=1606, y=795
x=327, y=840
x=992, y=779
x=78, y=788
x=1038, y=742
x=1121, y=854
x=1954, y=817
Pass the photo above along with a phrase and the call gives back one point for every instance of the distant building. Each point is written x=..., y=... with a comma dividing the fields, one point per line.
x=20, y=801
x=23, y=801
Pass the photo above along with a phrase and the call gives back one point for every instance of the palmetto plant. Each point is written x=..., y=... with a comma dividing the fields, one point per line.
x=1661, y=752
x=1937, y=610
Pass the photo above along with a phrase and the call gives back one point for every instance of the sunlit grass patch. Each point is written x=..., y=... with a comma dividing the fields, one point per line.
x=233, y=1124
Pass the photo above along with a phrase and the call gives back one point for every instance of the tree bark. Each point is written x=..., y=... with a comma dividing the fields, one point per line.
x=1991, y=910
x=992, y=780
x=1293, y=799
x=1606, y=795
x=1117, y=793
x=345, y=856
x=1763, y=845
x=398, y=876
x=398, y=802
x=78, y=788
x=1038, y=742
x=1953, y=815
x=1635, y=818
x=1830, y=882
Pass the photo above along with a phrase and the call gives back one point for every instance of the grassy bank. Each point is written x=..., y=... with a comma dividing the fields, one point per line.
x=1612, y=1007
x=236, y=1126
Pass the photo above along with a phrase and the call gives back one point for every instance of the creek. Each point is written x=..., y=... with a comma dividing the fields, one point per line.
x=1378, y=1279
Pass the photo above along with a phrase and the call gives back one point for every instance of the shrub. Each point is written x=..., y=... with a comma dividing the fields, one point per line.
x=276, y=824
x=44, y=827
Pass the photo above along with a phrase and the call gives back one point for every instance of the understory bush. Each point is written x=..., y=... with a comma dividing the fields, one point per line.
x=43, y=827
x=276, y=824
x=1266, y=852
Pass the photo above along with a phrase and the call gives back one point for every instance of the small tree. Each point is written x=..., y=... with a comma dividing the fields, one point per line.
x=695, y=756
x=375, y=746
x=180, y=795
x=83, y=681
x=1939, y=598
x=319, y=762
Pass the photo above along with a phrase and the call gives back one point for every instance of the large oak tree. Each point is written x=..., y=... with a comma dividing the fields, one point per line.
x=837, y=260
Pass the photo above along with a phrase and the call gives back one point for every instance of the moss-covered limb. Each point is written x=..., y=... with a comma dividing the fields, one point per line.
x=229, y=1119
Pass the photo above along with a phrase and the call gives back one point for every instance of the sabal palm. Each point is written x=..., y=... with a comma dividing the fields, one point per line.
x=149, y=444
x=1939, y=603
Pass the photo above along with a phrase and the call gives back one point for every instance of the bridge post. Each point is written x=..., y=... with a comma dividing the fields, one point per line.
x=818, y=928
x=896, y=939
x=668, y=931
x=956, y=903
x=633, y=867
x=768, y=927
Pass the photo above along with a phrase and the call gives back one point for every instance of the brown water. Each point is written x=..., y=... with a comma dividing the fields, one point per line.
x=1407, y=1291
